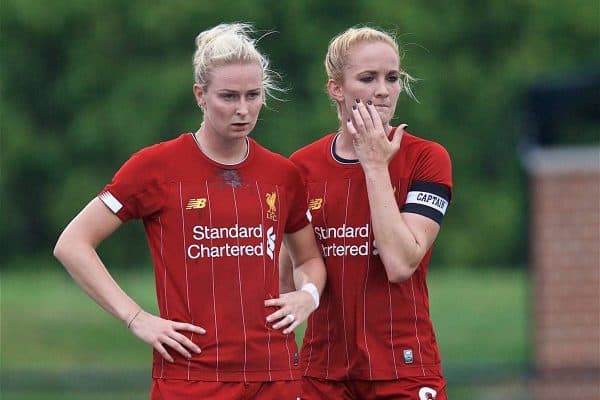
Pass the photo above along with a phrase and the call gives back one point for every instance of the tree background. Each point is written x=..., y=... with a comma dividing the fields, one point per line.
x=84, y=84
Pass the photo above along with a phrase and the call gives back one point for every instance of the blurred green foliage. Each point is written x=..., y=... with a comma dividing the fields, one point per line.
x=84, y=84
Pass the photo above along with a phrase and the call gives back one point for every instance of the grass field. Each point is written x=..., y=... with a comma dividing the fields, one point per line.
x=50, y=329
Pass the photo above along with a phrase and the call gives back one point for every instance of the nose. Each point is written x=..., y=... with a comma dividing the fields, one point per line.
x=242, y=108
x=381, y=89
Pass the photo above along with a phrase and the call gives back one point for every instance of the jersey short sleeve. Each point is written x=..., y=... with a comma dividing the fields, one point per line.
x=298, y=208
x=137, y=189
x=430, y=189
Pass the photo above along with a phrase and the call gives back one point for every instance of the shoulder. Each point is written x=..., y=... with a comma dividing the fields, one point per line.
x=319, y=148
x=165, y=148
x=423, y=154
x=275, y=163
x=428, y=160
x=151, y=161
x=421, y=146
x=264, y=153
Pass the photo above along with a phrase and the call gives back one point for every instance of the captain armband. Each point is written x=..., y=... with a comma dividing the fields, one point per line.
x=428, y=199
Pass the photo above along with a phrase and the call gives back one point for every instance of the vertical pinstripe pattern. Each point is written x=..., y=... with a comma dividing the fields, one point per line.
x=329, y=302
x=412, y=288
x=162, y=259
x=328, y=339
x=287, y=346
x=365, y=303
x=187, y=284
x=237, y=221
x=313, y=322
x=343, y=280
x=389, y=286
x=262, y=223
x=212, y=272
x=275, y=272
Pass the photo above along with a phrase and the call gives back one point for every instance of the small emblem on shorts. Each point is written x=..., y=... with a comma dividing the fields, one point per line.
x=296, y=359
x=427, y=393
x=408, y=356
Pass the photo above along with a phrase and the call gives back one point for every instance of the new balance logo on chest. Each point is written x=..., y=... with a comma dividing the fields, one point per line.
x=194, y=204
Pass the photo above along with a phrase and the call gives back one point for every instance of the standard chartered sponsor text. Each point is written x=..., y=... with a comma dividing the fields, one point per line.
x=205, y=234
x=337, y=249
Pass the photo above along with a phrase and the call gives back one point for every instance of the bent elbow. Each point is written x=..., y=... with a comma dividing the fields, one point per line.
x=58, y=251
x=399, y=272
x=398, y=277
x=61, y=249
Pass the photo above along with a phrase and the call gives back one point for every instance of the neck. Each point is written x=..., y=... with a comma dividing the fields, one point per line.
x=223, y=151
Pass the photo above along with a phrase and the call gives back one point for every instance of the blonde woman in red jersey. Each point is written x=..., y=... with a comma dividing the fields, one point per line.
x=215, y=205
x=377, y=195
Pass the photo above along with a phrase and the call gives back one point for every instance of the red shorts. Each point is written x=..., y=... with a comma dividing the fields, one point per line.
x=408, y=388
x=175, y=389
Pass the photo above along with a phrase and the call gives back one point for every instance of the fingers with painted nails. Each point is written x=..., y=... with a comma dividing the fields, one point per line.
x=369, y=137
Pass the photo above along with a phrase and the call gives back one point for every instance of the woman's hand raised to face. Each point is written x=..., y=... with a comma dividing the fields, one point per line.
x=371, y=144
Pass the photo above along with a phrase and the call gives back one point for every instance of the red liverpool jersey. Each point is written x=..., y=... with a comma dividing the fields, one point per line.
x=214, y=232
x=367, y=327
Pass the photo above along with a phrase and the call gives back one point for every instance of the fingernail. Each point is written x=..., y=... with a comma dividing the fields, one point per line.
x=369, y=102
x=357, y=100
x=354, y=107
x=348, y=119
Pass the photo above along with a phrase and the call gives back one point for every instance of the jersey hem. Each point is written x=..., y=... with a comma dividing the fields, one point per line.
x=226, y=376
x=375, y=375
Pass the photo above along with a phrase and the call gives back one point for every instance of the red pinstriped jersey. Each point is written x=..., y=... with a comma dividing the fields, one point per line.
x=367, y=327
x=214, y=232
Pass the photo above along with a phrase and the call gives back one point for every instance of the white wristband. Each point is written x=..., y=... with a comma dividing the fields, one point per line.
x=311, y=289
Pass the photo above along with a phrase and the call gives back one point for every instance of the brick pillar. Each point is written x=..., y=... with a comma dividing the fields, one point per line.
x=565, y=255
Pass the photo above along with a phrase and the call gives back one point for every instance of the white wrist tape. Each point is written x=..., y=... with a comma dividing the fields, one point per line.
x=311, y=289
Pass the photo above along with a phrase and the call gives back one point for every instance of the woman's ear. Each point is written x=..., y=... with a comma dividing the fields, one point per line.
x=199, y=95
x=335, y=90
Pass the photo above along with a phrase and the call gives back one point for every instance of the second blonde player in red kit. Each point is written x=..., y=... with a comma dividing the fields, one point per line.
x=376, y=195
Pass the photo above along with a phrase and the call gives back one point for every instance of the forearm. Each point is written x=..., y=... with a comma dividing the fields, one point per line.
x=286, y=271
x=311, y=271
x=398, y=248
x=86, y=268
